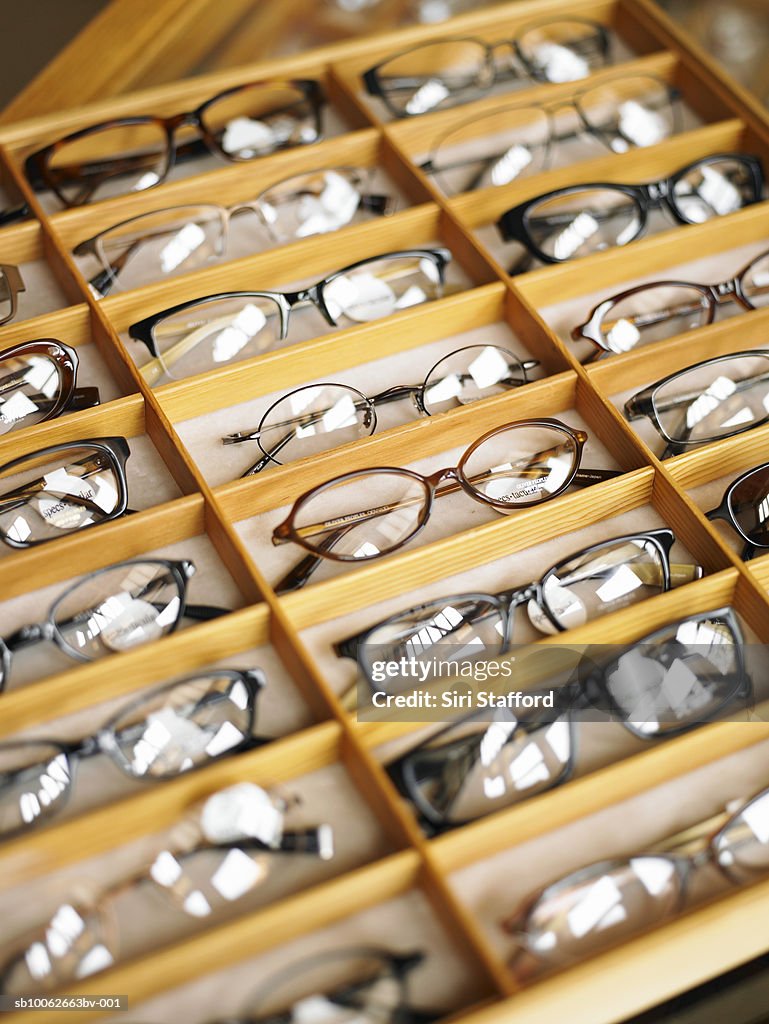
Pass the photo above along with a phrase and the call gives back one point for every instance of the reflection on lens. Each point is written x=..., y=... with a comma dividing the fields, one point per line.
x=583, y=222
x=182, y=726
x=493, y=150
x=742, y=847
x=601, y=905
x=435, y=76
x=521, y=465
x=721, y=397
x=29, y=389
x=562, y=51
x=475, y=767
x=260, y=119
x=160, y=245
x=315, y=419
x=363, y=517
x=110, y=161
x=713, y=189
x=214, y=333
x=470, y=374
x=653, y=313
x=682, y=679
x=749, y=505
x=601, y=582
x=629, y=112
x=381, y=287
x=35, y=780
x=41, y=500
x=755, y=283
x=312, y=204
x=117, y=609
x=205, y=882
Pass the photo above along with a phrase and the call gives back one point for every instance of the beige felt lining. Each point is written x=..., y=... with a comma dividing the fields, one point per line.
x=452, y=514
x=42, y=293
x=327, y=796
x=507, y=571
x=443, y=981
x=493, y=887
x=220, y=463
x=211, y=584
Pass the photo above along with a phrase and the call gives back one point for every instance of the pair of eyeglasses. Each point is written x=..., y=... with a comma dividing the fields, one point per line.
x=169, y=731
x=606, y=903
x=454, y=70
x=661, y=309
x=744, y=506
x=237, y=842
x=11, y=284
x=716, y=398
x=367, y=984
x=514, y=142
x=113, y=609
x=206, y=333
x=372, y=512
x=179, y=239
x=132, y=154
x=38, y=382
x=584, y=586
x=319, y=417
x=580, y=220
x=66, y=487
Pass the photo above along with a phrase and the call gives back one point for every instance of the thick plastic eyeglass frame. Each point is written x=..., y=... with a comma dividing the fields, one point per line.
x=513, y=225
x=431, y=165
x=69, y=398
x=11, y=277
x=114, y=450
x=375, y=86
x=102, y=741
x=37, y=164
x=444, y=481
x=714, y=295
x=394, y=394
x=381, y=205
x=643, y=403
x=180, y=573
x=143, y=330
x=725, y=511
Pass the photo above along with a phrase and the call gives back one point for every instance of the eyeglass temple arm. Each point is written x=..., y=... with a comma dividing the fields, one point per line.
x=640, y=405
x=14, y=213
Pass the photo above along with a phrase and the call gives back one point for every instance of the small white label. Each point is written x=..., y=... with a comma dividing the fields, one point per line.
x=244, y=809
x=559, y=63
x=245, y=135
x=136, y=623
x=427, y=97
x=360, y=297
x=565, y=605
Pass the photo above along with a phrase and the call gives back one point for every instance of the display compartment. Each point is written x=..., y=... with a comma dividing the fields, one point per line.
x=47, y=284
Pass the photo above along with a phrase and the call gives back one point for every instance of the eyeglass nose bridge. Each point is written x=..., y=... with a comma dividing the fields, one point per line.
x=657, y=192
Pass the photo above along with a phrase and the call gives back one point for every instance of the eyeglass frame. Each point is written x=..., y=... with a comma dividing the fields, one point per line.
x=374, y=87
x=37, y=170
x=70, y=398
x=549, y=109
x=180, y=571
x=715, y=295
x=641, y=405
x=724, y=512
x=394, y=394
x=90, y=246
x=513, y=223
x=13, y=279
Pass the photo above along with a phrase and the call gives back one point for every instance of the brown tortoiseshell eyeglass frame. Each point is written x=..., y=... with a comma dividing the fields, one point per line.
x=68, y=397
x=42, y=176
x=12, y=284
x=444, y=481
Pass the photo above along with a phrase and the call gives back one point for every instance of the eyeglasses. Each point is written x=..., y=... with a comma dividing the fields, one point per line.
x=319, y=417
x=606, y=903
x=10, y=286
x=113, y=609
x=509, y=143
x=37, y=383
x=132, y=154
x=433, y=76
x=716, y=398
x=180, y=239
x=61, y=489
x=511, y=467
x=584, y=219
x=588, y=584
x=744, y=506
x=238, y=841
x=203, y=334
x=661, y=309
x=160, y=735
x=672, y=681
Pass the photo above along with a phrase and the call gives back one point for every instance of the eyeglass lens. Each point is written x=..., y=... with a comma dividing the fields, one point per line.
x=749, y=505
